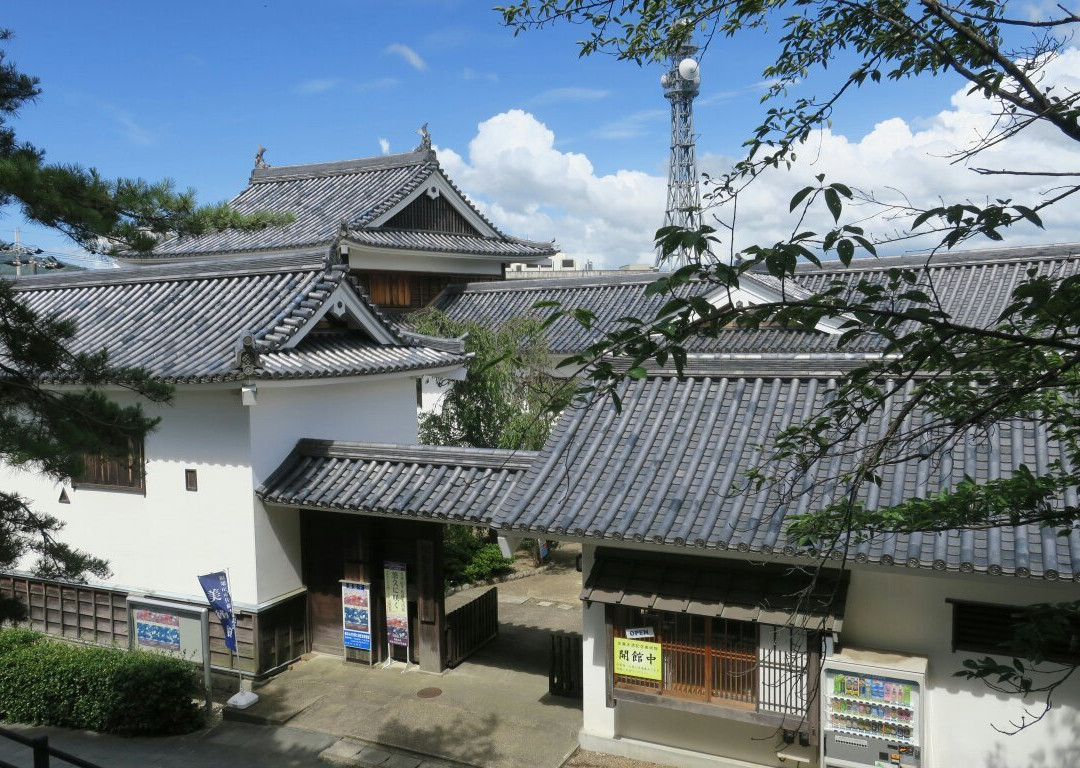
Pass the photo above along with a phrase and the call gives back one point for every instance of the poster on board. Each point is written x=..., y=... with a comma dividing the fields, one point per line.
x=157, y=630
x=356, y=615
x=397, y=604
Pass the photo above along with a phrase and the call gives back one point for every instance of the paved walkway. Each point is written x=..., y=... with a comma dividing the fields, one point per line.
x=492, y=711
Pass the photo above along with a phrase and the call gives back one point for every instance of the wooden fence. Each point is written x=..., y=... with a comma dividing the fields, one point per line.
x=99, y=615
x=472, y=626
x=565, y=669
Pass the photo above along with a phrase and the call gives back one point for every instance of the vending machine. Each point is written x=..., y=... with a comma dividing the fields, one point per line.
x=872, y=710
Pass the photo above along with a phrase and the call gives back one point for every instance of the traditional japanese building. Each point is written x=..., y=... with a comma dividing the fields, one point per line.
x=402, y=226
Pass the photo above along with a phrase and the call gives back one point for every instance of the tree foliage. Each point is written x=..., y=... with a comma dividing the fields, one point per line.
x=957, y=376
x=508, y=397
x=46, y=428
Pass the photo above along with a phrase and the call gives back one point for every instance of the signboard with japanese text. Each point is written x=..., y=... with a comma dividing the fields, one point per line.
x=356, y=615
x=397, y=603
x=638, y=658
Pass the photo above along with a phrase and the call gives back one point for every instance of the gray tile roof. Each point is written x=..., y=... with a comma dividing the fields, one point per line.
x=973, y=286
x=322, y=196
x=612, y=298
x=184, y=322
x=418, y=481
x=661, y=471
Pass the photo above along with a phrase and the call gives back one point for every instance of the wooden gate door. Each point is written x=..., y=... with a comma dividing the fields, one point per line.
x=331, y=547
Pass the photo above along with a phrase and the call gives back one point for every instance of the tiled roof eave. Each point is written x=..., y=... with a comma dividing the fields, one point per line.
x=787, y=553
x=495, y=256
x=157, y=255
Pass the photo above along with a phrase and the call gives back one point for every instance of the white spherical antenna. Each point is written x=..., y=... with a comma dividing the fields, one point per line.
x=664, y=80
x=688, y=69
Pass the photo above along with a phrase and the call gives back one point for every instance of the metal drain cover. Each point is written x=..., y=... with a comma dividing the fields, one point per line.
x=428, y=693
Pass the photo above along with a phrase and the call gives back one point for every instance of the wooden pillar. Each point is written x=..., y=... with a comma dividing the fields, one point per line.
x=431, y=612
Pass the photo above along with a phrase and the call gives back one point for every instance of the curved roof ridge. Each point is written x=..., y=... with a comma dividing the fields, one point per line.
x=175, y=271
x=338, y=167
x=972, y=257
x=420, y=454
x=542, y=283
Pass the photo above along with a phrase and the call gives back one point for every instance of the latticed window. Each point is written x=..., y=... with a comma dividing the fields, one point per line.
x=115, y=471
x=737, y=664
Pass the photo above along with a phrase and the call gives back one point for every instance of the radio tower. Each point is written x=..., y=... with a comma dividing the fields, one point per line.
x=681, y=84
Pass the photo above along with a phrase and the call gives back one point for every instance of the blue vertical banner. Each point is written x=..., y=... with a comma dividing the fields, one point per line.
x=216, y=587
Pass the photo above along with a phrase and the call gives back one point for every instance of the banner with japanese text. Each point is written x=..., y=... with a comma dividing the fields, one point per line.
x=216, y=587
x=397, y=604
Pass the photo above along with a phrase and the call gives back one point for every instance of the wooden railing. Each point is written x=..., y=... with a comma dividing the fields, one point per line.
x=565, y=667
x=42, y=752
x=723, y=675
x=472, y=626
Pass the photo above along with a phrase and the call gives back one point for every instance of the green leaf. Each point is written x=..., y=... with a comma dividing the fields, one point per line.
x=799, y=197
x=832, y=200
x=637, y=373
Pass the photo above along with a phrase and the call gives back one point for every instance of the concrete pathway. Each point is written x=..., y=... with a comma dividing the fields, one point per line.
x=226, y=745
x=492, y=711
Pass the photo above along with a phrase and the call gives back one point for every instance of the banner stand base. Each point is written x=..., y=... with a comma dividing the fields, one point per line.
x=242, y=700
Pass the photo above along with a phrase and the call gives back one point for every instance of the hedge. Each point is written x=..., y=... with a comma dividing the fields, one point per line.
x=46, y=682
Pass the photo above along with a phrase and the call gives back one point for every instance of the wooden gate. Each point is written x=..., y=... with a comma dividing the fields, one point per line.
x=564, y=671
x=472, y=626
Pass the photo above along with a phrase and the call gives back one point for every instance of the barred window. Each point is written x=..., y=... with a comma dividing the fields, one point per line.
x=121, y=472
x=736, y=664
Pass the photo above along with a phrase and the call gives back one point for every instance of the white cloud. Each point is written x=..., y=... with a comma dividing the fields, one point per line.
x=316, y=86
x=629, y=126
x=384, y=146
x=408, y=54
x=898, y=161
x=531, y=189
x=472, y=74
x=569, y=94
x=379, y=84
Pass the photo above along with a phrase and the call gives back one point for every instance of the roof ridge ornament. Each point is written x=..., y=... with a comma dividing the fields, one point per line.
x=259, y=162
x=247, y=356
x=425, y=143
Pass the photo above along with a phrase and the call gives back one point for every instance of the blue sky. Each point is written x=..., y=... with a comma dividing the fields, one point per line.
x=550, y=144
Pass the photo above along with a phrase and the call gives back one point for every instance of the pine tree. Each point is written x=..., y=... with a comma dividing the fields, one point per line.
x=47, y=429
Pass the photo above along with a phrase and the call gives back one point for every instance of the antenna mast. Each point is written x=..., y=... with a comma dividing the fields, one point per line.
x=681, y=84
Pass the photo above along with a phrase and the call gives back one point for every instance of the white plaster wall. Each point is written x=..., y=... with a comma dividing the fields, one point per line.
x=431, y=395
x=159, y=542
x=899, y=611
x=378, y=411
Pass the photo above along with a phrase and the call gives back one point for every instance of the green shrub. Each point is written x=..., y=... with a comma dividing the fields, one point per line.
x=460, y=546
x=487, y=562
x=45, y=682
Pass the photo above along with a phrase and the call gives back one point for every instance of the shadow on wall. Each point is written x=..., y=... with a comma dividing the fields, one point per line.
x=466, y=740
x=1058, y=735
